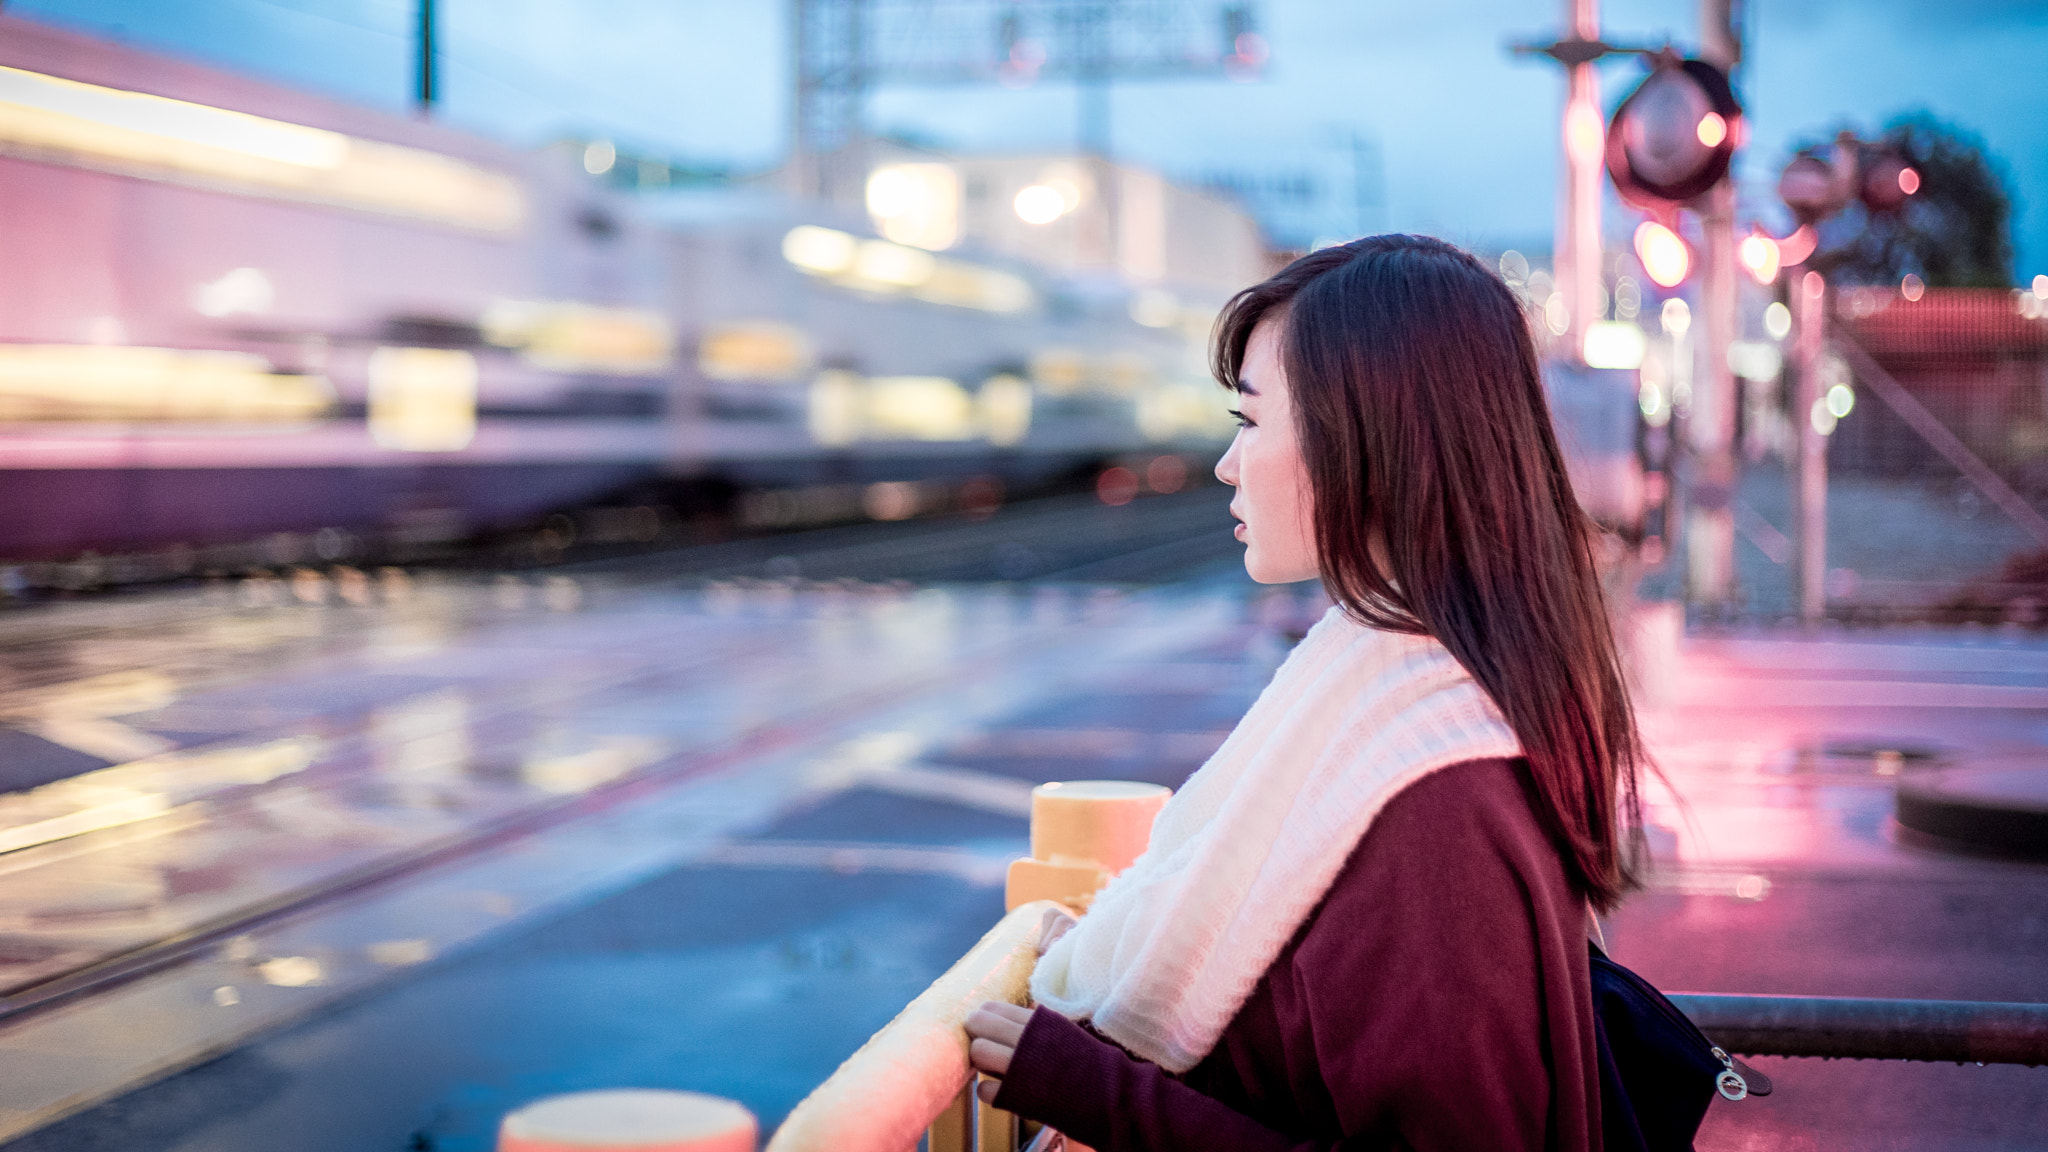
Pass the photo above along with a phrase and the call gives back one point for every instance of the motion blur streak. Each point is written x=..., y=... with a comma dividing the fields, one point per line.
x=78, y=382
x=158, y=138
x=879, y=266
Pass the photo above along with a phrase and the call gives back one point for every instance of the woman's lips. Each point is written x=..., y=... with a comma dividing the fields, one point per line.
x=1239, y=530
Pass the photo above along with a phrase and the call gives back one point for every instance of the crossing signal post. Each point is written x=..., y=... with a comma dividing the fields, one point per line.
x=1816, y=185
x=1575, y=253
x=1669, y=147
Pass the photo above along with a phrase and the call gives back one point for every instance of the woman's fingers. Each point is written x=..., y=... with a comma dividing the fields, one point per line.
x=1015, y=1013
x=1000, y=1022
x=987, y=1090
x=990, y=1057
x=993, y=1031
x=1052, y=927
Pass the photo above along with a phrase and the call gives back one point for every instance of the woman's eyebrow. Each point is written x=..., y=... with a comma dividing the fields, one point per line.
x=1244, y=387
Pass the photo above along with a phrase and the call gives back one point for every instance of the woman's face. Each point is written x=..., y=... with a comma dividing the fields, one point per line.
x=1264, y=464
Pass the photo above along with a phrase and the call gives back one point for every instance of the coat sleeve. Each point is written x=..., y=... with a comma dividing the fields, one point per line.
x=1068, y=1078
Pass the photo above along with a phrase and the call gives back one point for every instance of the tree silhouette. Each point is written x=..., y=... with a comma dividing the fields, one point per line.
x=1955, y=232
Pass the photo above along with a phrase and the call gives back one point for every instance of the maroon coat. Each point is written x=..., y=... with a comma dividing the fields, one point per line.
x=1437, y=998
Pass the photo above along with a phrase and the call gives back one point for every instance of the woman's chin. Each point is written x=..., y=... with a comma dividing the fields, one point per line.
x=1264, y=570
x=1264, y=573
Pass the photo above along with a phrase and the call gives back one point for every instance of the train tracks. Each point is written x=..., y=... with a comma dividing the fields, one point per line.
x=1065, y=538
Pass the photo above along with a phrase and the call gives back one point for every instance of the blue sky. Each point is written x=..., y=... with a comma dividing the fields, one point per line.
x=1465, y=133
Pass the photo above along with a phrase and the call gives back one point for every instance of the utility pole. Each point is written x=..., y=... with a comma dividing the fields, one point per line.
x=1810, y=485
x=1710, y=518
x=1576, y=248
x=1576, y=258
x=427, y=89
x=1088, y=34
x=832, y=67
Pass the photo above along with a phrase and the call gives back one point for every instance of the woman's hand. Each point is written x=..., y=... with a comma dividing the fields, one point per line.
x=1053, y=927
x=993, y=1031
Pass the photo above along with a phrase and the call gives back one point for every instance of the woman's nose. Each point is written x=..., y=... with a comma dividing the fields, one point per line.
x=1226, y=468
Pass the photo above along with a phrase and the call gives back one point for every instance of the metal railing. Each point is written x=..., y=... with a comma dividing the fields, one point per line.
x=1842, y=1028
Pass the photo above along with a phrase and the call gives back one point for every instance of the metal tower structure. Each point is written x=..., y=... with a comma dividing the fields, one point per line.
x=848, y=48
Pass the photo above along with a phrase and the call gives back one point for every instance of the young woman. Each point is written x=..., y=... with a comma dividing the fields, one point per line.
x=1362, y=924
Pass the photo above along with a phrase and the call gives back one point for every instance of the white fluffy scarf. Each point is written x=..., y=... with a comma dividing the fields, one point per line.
x=1243, y=853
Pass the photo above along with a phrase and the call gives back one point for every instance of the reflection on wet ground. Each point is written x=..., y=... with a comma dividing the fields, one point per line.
x=365, y=741
x=753, y=821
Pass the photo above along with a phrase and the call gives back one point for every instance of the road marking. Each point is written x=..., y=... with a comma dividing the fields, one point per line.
x=1709, y=691
x=846, y=858
x=108, y=740
x=967, y=787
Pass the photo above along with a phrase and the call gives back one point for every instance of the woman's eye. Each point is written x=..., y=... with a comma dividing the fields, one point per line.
x=1243, y=421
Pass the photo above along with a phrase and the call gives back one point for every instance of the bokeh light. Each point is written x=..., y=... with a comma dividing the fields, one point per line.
x=1039, y=204
x=1664, y=254
x=1116, y=486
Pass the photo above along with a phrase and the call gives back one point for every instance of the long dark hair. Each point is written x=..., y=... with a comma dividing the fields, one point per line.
x=1422, y=421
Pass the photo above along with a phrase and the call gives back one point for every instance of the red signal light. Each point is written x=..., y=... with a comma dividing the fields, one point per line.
x=1665, y=255
x=1673, y=137
x=1759, y=253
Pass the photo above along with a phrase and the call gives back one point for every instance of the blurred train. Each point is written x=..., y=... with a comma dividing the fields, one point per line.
x=229, y=309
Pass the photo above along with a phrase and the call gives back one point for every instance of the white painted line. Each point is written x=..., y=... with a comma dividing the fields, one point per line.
x=967, y=787
x=1705, y=691
x=846, y=859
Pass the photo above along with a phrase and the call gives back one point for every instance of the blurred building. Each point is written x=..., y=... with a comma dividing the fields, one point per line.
x=1977, y=358
x=1106, y=227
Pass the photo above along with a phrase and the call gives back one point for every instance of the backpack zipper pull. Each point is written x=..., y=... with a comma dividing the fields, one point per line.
x=1730, y=1082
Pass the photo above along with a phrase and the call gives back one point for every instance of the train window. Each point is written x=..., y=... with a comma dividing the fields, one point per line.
x=564, y=336
x=150, y=385
x=764, y=351
x=422, y=399
x=880, y=267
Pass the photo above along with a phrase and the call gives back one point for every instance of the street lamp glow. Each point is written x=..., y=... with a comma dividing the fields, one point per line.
x=1655, y=405
x=916, y=204
x=1614, y=344
x=1039, y=204
x=1759, y=254
x=1823, y=421
x=1663, y=252
x=1909, y=181
x=1778, y=320
x=1712, y=130
x=1841, y=400
x=1675, y=317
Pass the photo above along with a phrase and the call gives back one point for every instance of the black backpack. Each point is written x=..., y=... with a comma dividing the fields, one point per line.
x=1658, y=1071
